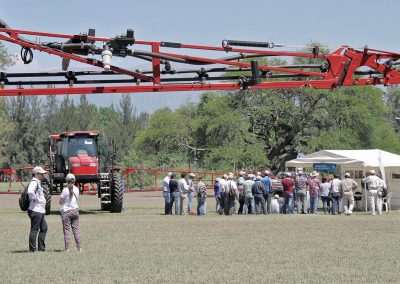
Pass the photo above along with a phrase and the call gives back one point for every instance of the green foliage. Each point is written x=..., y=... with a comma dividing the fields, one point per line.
x=7, y=128
x=258, y=128
x=27, y=122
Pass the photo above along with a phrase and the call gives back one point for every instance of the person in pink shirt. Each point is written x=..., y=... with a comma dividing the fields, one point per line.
x=314, y=186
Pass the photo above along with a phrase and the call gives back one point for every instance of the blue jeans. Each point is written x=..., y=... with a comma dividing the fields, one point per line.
x=248, y=207
x=287, y=207
x=166, y=204
x=314, y=200
x=201, y=206
x=190, y=205
x=325, y=203
x=335, y=202
x=174, y=197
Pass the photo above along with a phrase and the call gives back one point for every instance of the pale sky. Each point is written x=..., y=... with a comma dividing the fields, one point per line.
x=333, y=23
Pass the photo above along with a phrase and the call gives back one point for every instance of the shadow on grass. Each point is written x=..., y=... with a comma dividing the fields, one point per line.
x=82, y=212
x=28, y=251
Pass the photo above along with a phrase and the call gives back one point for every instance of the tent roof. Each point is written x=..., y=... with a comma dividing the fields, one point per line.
x=363, y=158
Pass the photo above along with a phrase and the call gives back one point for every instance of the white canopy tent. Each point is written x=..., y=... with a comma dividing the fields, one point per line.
x=374, y=158
x=386, y=163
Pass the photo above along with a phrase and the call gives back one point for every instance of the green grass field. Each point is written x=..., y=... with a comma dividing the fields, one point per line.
x=141, y=245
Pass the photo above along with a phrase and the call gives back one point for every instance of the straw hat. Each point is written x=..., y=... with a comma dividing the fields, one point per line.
x=314, y=174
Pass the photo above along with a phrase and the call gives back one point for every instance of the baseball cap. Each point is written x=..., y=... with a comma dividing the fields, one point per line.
x=38, y=170
x=70, y=177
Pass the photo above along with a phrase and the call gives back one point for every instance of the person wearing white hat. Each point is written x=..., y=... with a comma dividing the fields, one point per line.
x=222, y=185
x=183, y=191
x=166, y=193
x=335, y=195
x=191, y=191
x=248, y=207
x=314, y=186
x=275, y=206
x=347, y=187
x=373, y=185
x=217, y=195
x=241, y=198
x=37, y=210
x=231, y=196
x=266, y=180
x=70, y=212
x=201, y=191
x=301, y=186
x=258, y=191
x=288, y=185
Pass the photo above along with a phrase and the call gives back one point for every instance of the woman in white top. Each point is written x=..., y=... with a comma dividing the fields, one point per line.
x=70, y=212
x=324, y=193
x=335, y=195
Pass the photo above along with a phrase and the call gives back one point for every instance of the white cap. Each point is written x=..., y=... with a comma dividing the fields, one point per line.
x=300, y=173
x=70, y=177
x=231, y=175
x=372, y=172
x=192, y=175
x=288, y=174
x=347, y=174
x=250, y=175
x=267, y=172
x=242, y=173
x=38, y=170
x=259, y=178
x=169, y=174
x=276, y=196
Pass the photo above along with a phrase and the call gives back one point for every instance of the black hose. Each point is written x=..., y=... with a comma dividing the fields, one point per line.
x=26, y=55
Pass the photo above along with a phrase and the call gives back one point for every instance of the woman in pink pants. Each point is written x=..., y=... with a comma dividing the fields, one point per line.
x=70, y=212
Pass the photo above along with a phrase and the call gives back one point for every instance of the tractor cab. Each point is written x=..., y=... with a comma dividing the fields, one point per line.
x=77, y=153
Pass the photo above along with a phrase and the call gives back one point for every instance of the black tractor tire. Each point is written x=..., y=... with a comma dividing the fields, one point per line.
x=117, y=194
x=105, y=206
x=47, y=195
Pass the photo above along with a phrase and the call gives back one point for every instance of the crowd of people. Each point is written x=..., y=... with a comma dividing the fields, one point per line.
x=254, y=193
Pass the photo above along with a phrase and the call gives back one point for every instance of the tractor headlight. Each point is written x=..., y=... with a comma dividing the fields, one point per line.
x=76, y=165
x=93, y=164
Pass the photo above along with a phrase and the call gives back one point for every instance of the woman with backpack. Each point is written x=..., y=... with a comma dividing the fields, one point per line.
x=201, y=191
x=70, y=213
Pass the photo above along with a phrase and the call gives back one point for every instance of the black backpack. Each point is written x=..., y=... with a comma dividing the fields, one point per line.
x=24, y=198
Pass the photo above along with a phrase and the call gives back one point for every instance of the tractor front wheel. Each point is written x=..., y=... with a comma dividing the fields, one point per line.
x=117, y=194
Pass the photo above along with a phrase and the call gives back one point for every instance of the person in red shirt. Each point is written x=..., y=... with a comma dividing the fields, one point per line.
x=288, y=184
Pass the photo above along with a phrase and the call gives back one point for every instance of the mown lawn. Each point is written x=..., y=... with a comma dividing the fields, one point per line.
x=141, y=245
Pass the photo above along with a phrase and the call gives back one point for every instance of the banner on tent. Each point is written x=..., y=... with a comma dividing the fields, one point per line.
x=325, y=167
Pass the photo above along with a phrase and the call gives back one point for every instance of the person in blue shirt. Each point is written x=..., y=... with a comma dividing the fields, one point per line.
x=217, y=193
x=266, y=181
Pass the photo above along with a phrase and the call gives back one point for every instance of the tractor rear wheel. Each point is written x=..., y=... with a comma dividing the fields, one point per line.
x=117, y=194
x=47, y=196
x=105, y=206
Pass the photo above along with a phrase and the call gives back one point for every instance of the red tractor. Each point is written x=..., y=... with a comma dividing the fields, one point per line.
x=77, y=152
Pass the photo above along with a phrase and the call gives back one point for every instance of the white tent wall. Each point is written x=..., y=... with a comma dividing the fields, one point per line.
x=358, y=162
